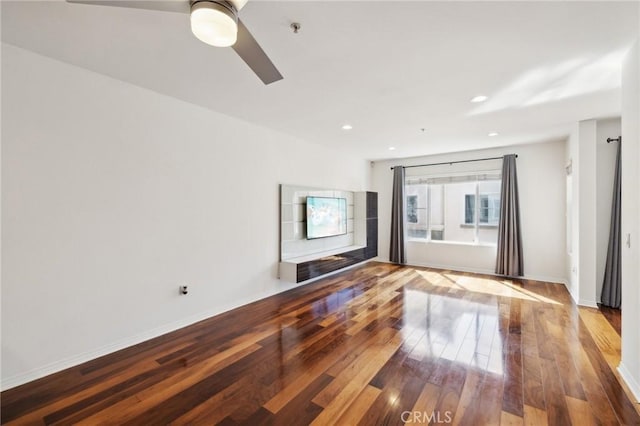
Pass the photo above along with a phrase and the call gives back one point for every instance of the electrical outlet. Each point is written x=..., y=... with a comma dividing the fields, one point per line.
x=183, y=289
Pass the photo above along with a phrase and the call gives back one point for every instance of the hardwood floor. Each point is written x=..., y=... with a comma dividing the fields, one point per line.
x=378, y=344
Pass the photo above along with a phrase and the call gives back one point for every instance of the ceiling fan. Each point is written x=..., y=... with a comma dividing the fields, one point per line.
x=214, y=22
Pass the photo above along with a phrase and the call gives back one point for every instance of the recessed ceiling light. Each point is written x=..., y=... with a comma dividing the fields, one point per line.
x=479, y=98
x=493, y=134
x=392, y=148
x=347, y=127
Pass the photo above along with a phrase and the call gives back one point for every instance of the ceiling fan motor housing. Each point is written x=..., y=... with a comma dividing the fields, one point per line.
x=221, y=6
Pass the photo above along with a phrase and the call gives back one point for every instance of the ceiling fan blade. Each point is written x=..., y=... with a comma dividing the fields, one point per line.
x=250, y=51
x=181, y=6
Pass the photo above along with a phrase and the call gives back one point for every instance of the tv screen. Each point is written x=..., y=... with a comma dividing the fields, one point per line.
x=326, y=217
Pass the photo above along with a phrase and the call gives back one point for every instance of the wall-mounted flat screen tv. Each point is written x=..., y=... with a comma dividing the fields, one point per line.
x=326, y=217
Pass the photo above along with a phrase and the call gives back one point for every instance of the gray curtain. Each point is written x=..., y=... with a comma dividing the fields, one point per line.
x=397, y=251
x=611, y=294
x=509, y=260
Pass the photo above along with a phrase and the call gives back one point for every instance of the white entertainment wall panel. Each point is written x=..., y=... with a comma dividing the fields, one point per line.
x=293, y=232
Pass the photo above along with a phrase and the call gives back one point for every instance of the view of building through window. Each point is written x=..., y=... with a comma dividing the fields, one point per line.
x=488, y=209
x=462, y=210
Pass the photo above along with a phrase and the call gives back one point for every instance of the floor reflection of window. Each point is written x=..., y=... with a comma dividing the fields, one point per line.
x=450, y=330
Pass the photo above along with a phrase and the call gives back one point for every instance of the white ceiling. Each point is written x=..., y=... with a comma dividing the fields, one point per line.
x=388, y=68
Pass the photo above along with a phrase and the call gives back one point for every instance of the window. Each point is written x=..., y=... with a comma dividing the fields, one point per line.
x=416, y=219
x=453, y=208
x=488, y=210
x=470, y=209
x=437, y=235
x=412, y=209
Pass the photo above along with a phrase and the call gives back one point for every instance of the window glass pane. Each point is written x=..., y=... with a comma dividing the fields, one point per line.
x=470, y=209
x=489, y=212
x=412, y=209
x=437, y=235
x=437, y=207
x=494, y=209
x=484, y=208
x=459, y=203
x=416, y=218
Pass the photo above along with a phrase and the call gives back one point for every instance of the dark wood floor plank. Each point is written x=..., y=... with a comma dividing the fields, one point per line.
x=216, y=408
x=377, y=344
x=512, y=399
x=332, y=356
x=470, y=394
x=301, y=410
x=399, y=383
x=360, y=407
x=380, y=354
x=560, y=336
x=109, y=397
x=533, y=390
x=556, y=406
x=141, y=401
x=487, y=408
x=451, y=391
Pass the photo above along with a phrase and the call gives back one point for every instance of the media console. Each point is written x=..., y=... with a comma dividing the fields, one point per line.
x=312, y=265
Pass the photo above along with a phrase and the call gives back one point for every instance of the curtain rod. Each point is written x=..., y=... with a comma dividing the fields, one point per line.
x=618, y=139
x=454, y=162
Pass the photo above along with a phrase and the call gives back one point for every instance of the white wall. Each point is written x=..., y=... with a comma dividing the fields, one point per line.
x=541, y=179
x=573, y=214
x=114, y=195
x=586, y=207
x=630, y=362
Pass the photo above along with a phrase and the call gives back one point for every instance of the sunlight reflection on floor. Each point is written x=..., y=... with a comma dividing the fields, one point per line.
x=444, y=326
x=449, y=329
x=493, y=286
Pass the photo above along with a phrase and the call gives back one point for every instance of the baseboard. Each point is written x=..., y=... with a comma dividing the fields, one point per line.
x=571, y=293
x=547, y=279
x=630, y=381
x=580, y=302
x=587, y=303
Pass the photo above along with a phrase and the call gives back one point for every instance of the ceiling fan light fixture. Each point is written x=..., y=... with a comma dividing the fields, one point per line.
x=214, y=23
